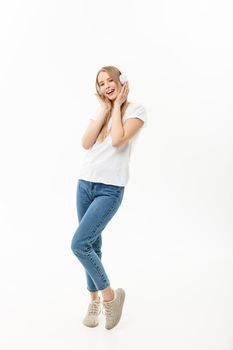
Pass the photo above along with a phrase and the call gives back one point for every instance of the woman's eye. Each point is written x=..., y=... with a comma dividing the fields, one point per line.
x=103, y=84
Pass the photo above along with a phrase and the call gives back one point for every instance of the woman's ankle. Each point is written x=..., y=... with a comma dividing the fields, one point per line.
x=95, y=296
x=108, y=294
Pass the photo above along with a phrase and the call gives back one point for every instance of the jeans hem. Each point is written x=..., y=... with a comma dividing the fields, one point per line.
x=98, y=290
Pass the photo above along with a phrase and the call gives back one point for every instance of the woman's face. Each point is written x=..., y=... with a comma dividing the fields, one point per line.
x=107, y=86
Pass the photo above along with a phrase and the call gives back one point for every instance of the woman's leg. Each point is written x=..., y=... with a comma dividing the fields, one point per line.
x=83, y=201
x=90, y=283
x=107, y=199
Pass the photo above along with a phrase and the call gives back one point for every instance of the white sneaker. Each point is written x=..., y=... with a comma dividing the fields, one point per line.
x=113, y=308
x=92, y=316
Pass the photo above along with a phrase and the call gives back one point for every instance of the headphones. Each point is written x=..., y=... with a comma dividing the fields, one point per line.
x=123, y=79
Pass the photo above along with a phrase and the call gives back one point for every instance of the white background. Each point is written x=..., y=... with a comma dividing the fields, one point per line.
x=170, y=245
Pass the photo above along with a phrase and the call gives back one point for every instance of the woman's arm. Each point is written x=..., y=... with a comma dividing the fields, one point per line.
x=122, y=133
x=92, y=131
x=117, y=130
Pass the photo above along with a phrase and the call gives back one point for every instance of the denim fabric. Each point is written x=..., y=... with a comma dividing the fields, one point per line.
x=96, y=205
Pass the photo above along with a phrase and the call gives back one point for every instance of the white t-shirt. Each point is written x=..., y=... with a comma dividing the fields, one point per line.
x=107, y=164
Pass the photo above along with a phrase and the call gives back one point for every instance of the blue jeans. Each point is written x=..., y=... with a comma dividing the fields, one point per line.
x=96, y=205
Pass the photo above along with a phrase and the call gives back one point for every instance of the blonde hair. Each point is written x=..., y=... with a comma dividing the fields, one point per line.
x=114, y=73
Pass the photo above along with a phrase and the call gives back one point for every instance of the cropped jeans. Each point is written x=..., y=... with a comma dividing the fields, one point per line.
x=96, y=204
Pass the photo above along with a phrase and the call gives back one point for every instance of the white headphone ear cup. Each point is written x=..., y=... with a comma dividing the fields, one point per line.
x=122, y=79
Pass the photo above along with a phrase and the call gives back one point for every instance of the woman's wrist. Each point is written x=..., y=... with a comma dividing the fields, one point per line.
x=106, y=110
x=117, y=106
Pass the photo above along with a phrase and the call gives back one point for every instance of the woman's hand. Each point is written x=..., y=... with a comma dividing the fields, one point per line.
x=105, y=103
x=122, y=96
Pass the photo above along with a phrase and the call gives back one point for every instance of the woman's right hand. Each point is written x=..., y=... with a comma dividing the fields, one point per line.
x=105, y=103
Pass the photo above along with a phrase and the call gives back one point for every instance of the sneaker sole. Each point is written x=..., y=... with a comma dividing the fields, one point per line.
x=91, y=326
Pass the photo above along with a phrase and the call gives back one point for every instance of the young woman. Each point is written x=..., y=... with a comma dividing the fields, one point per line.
x=108, y=139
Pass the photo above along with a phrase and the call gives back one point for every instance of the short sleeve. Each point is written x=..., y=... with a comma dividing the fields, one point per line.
x=138, y=111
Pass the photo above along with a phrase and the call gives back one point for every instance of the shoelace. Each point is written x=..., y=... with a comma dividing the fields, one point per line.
x=93, y=308
x=107, y=310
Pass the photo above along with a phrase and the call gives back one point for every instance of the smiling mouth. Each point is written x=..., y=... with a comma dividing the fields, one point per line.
x=110, y=92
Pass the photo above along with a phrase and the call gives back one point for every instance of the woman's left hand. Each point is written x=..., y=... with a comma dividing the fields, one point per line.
x=122, y=96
